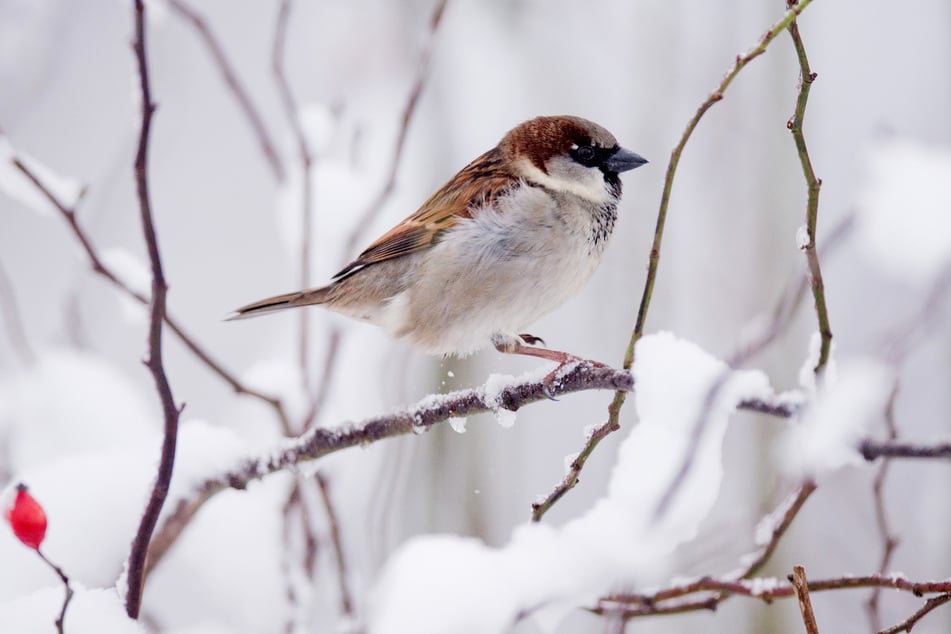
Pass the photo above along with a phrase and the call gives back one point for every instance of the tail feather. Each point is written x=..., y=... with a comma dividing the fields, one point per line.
x=281, y=302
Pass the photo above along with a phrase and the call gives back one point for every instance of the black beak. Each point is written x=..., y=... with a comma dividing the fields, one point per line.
x=623, y=160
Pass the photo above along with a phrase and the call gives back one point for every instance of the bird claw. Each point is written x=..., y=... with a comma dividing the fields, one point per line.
x=546, y=390
x=531, y=339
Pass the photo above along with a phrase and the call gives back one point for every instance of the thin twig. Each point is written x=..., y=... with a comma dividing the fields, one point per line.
x=366, y=218
x=872, y=449
x=140, y=545
x=99, y=267
x=889, y=539
x=319, y=442
x=306, y=157
x=295, y=505
x=11, y=318
x=812, y=184
x=909, y=623
x=231, y=80
x=790, y=509
x=326, y=378
x=801, y=586
x=670, y=600
x=614, y=409
x=61, y=619
x=714, y=97
x=346, y=600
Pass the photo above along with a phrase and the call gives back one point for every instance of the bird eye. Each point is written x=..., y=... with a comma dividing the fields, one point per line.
x=586, y=153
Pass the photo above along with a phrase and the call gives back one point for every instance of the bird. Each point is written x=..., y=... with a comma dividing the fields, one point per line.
x=504, y=242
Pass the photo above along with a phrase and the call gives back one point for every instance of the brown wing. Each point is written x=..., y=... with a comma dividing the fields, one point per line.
x=453, y=201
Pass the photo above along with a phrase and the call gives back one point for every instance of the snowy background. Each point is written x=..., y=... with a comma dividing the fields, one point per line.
x=434, y=527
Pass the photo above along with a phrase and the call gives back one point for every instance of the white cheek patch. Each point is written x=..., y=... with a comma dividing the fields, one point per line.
x=589, y=183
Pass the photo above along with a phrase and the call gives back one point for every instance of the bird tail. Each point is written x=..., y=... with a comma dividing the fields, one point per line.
x=281, y=302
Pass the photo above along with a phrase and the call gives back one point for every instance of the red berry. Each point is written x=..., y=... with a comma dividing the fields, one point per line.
x=27, y=519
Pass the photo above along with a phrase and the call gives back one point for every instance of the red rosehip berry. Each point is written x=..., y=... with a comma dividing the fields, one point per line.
x=27, y=518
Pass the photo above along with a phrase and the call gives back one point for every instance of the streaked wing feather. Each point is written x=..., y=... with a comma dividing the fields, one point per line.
x=455, y=200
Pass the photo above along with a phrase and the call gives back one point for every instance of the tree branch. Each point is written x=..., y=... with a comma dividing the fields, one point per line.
x=907, y=624
x=888, y=537
x=99, y=267
x=670, y=599
x=872, y=449
x=801, y=587
x=812, y=185
x=140, y=545
x=231, y=80
x=430, y=411
x=614, y=409
x=409, y=108
x=306, y=157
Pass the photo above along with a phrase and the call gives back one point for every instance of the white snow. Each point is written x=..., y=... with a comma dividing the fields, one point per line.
x=458, y=424
x=807, y=371
x=802, y=237
x=97, y=611
x=905, y=207
x=843, y=412
x=547, y=571
x=96, y=407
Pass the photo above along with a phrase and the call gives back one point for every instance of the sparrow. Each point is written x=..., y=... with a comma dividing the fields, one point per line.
x=504, y=242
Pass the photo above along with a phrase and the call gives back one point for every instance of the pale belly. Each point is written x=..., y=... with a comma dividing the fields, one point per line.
x=494, y=275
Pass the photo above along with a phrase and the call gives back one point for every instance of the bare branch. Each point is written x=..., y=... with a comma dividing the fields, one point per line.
x=907, y=624
x=671, y=599
x=714, y=97
x=812, y=184
x=801, y=586
x=99, y=267
x=319, y=442
x=888, y=537
x=305, y=154
x=61, y=619
x=346, y=600
x=422, y=70
x=614, y=409
x=326, y=378
x=231, y=80
x=786, y=513
x=872, y=449
x=140, y=545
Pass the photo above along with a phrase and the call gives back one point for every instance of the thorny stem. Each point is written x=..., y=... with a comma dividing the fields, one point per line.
x=614, y=409
x=140, y=545
x=813, y=184
x=99, y=267
x=231, y=80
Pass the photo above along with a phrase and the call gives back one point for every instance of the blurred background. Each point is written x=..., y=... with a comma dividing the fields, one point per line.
x=229, y=224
